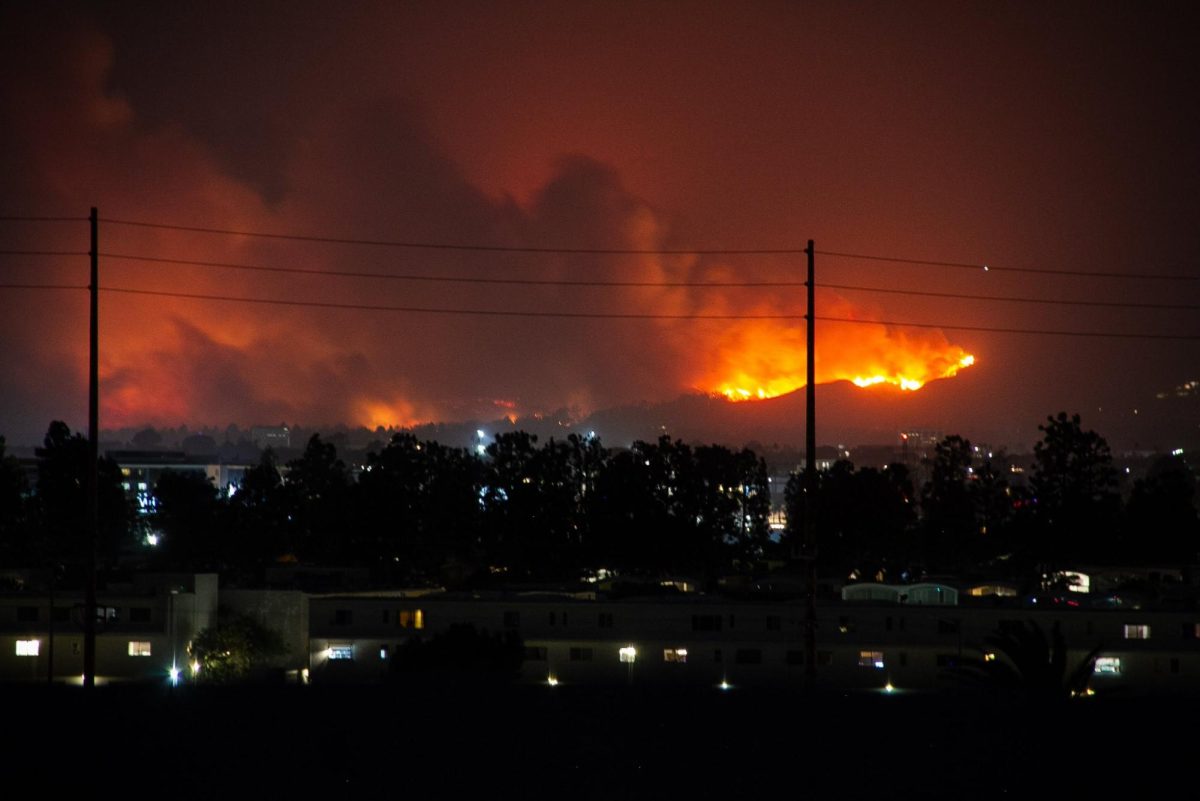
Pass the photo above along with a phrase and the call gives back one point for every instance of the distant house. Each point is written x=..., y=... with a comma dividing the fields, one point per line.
x=919, y=594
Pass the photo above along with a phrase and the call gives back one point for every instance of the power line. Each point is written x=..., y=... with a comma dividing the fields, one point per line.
x=479, y=312
x=640, y=284
x=1107, y=334
x=646, y=251
x=629, y=316
x=31, y=218
x=1009, y=299
x=978, y=266
x=417, y=245
x=43, y=286
x=43, y=253
x=454, y=279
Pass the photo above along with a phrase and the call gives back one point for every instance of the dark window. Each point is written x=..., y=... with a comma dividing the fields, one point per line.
x=773, y=623
x=748, y=656
x=731, y=621
x=553, y=618
x=386, y=615
x=343, y=617
x=605, y=620
x=718, y=656
x=904, y=659
x=512, y=619
x=824, y=657
x=706, y=622
x=887, y=623
x=795, y=657
x=581, y=654
x=27, y=614
x=139, y=614
x=947, y=627
x=534, y=653
x=61, y=614
x=947, y=660
x=1174, y=664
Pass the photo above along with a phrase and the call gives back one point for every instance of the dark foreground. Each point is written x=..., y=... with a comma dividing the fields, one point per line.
x=584, y=743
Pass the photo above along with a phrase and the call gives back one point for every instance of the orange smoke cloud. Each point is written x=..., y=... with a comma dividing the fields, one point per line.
x=168, y=359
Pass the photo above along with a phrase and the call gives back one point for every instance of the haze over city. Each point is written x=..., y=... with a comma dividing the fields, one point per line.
x=592, y=176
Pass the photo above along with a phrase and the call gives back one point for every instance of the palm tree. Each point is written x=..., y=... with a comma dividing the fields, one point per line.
x=1019, y=658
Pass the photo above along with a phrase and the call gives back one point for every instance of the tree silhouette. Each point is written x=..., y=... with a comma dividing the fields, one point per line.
x=1161, y=523
x=948, y=524
x=317, y=498
x=1074, y=486
x=191, y=518
x=16, y=529
x=259, y=514
x=1020, y=659
x=862, y=519
x=63, y=467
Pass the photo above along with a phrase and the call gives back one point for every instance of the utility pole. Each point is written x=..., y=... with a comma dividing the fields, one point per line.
x=93, y=478
x=810, y=486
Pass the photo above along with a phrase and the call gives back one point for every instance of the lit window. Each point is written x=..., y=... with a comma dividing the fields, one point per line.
x=410, y=619
x=674, y=654
x=628, y=654
x=871, y=659
x=1136, y=631
x=1108, y=666
x=383, y=652
x=343, y=652
x=139, y=648
x=28, y=647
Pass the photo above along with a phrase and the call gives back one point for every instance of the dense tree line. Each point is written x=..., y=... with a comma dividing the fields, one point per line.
x=969, y=518
x=523, y=510
x=43, y=525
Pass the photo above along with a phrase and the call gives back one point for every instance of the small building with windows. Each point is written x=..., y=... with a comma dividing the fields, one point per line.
x=143, y=628
x=721, y=642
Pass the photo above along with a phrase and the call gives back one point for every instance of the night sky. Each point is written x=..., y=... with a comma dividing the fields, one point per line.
x=1055, y=136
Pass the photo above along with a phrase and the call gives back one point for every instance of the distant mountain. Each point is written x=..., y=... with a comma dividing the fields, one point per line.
x=850, y=415
x=971, y=404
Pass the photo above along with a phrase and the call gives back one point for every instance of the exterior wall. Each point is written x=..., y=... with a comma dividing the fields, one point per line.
x=164, y=612
x=860, y=646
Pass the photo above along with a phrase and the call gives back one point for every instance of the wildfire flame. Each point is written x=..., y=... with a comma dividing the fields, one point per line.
x=756, y=362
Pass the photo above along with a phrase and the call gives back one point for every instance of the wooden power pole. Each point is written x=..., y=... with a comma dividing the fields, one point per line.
x=93, y=478
x=810, y=485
